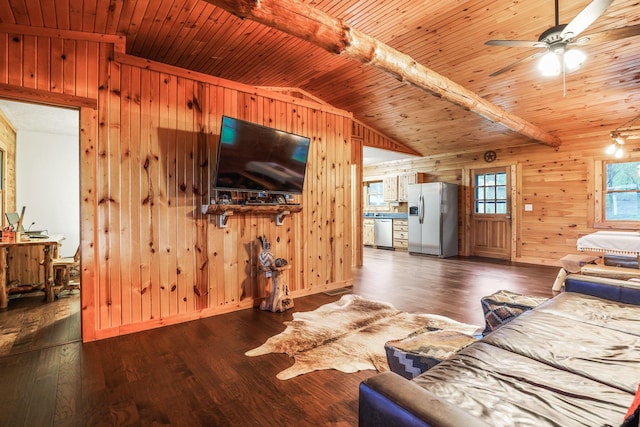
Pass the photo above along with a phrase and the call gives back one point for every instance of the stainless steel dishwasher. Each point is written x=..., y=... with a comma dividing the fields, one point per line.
x=383, y=233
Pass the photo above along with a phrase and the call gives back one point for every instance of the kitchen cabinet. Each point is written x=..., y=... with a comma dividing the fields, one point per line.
x=390, y=188
x=368, y=231
x=400, y=234
x=409, y=178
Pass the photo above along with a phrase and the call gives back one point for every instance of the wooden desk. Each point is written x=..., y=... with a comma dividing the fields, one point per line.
x=48, y=246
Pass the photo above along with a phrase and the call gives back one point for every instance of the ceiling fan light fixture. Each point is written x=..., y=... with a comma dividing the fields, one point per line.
x=557, y=38
x=615, y=148
x=573, y=59
x=549, y=65
x=621, y=135
x=611, y=148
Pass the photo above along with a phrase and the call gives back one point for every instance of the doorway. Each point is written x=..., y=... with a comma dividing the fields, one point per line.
x=47, y=176
x=42, y=175
x=491, y=212
x=3, y=168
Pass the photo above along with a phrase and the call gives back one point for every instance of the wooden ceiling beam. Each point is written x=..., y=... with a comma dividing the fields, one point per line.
x=334, y=35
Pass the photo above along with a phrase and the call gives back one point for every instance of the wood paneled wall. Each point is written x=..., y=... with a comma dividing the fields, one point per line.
x=148, y=151
x=559, y=183
x=18, y=257
x=8, y=146
x=373, y=138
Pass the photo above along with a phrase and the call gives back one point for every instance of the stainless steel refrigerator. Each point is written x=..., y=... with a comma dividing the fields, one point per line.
x=433, y=219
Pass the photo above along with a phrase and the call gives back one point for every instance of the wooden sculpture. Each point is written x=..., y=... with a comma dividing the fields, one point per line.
x=278, y=300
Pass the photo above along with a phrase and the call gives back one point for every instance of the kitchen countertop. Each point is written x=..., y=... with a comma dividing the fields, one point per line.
x=391, y=215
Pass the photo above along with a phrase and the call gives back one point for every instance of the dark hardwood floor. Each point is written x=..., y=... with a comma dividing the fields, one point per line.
x=450, y=287
x=196, y=374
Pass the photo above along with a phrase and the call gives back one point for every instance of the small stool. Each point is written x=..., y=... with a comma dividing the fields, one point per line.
x=424, y=349
x=504, y=306
x=62, y=271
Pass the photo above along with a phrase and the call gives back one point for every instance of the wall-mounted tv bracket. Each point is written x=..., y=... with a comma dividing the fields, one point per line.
x=223, y=217
x=280, y=217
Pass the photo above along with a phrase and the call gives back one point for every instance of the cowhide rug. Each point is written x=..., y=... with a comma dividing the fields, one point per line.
x=348, y=335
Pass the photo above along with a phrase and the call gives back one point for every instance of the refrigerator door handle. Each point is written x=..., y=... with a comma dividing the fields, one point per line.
x=421, y=209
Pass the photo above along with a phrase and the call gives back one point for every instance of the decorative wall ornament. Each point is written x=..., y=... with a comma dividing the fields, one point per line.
x=490, y=156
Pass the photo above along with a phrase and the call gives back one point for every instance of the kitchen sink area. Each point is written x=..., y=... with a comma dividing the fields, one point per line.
x=386, y=215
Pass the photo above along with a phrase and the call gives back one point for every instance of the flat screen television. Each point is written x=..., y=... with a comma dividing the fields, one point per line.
x=256, y=158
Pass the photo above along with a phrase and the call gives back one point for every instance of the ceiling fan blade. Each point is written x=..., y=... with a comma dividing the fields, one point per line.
x=513, y=43
x=609, y=35
x=519, y=61
x=585, y=18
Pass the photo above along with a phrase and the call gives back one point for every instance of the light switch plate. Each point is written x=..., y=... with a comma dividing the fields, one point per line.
x=528, y=207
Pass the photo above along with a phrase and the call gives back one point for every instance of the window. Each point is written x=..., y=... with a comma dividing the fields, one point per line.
x=376, y=194
x=491, y=193
x=621, y=190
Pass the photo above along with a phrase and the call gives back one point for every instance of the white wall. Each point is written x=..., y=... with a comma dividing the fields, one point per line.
x=48, y=184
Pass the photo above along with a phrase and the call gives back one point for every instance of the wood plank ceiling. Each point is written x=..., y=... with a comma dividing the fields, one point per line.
x=447, y=36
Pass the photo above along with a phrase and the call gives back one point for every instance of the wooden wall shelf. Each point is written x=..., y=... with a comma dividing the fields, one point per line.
x=224, y=211
x=252, y=209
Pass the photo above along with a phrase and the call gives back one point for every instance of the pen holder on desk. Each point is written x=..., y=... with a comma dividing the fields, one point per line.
x=10, y=236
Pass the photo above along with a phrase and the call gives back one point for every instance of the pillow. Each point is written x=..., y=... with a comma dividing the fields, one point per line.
x=424, y=349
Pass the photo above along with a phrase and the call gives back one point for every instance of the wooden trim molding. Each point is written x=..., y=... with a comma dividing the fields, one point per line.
x=119, y=42
x=295, y=92
x=4, y=122
x=596, y=206
x=147, y=64
x=376, y=139
x=515, y=187
x=516, y=250
x=20, y=93
x=89, y=251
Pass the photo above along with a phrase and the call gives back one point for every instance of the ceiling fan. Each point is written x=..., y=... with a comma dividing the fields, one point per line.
x=558, y=55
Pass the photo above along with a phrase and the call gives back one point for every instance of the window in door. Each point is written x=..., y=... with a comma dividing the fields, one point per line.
x=491, y=193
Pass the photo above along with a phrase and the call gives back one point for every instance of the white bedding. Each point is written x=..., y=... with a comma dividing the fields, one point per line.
x=616, y=242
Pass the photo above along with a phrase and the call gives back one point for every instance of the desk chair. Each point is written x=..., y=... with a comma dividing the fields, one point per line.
x=62, y=271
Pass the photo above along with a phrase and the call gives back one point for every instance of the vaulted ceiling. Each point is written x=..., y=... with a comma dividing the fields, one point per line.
x=446, y=36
